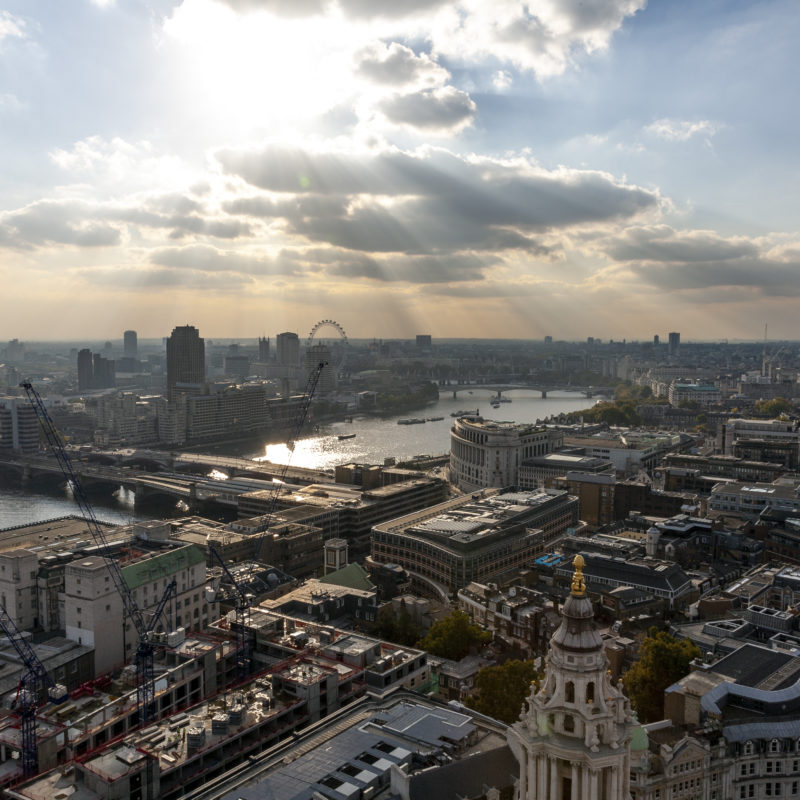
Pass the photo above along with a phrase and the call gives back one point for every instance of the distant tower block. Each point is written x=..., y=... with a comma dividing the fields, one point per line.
x=335, y=554
x=130, y=344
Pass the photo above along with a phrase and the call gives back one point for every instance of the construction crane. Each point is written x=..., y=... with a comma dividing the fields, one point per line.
x=145, y=629
x=242, y=598
x=29, y=694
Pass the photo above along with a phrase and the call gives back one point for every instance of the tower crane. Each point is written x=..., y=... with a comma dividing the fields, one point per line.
x=243, y=598
x=145, y=629
x=30, y=691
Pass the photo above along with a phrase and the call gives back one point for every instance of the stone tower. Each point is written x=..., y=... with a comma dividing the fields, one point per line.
x=573, y=739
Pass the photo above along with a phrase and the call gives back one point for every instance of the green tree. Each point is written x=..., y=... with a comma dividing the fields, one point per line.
x=772, y=408
x=501, y=690
x=453, y=636
x=663, y=660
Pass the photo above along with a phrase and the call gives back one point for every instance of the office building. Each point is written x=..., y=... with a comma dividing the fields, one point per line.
x=186, y=362
x=19, y=427
x=488, y=454
x=104, y=376
x=474, y=538
x=321, y=354
x=85, y=370
x=674, y=343
x=287, y=346
x=424, y=341
x=130, y=344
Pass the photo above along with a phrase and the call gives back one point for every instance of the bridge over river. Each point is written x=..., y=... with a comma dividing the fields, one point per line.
x=168, y=474
x=543, y=388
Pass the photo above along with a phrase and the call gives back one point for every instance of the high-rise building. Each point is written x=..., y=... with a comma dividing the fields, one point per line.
x=424, y=341
x=19, y=426
x=186, y=361
x=674, y=343
x=288, y=349
x=321, y=354
x=85, y=370
x=130, y=344
x=656, y=340
x=104, y=372
x=263, y=349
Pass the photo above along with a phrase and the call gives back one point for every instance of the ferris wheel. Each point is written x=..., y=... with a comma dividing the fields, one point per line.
x=337, y=340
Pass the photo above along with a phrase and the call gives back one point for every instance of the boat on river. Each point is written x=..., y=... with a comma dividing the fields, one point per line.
x=411, y=421
x=346, y=436
x=462, y=413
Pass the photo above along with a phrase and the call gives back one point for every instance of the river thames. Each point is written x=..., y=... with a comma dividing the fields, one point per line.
x=376, y=438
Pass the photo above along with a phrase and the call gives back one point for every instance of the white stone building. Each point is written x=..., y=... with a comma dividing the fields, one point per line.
x=487, y=454
x=573, y=740
x=94, y=611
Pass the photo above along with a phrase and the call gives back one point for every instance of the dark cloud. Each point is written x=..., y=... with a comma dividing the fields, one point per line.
x=398, y=65
x=433, y=203
x=662, y=243
x=432, y=109
x=49, y=222
x=763, y=275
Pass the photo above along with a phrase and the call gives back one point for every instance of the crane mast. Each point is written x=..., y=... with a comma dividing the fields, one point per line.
x=145, y=680
x=30, y=690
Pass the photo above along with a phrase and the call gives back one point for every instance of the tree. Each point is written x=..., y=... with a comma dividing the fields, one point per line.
x=772, y=408
x=453, y=636
x=502, y=690
x=399, y=628
x=663, y=660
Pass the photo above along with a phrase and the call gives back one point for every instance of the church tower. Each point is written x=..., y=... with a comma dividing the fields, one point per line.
x=573, y=739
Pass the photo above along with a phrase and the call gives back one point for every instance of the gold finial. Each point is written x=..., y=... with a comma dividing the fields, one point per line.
x=578, y=584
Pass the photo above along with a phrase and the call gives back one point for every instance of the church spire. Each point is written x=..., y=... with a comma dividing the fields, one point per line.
x=573, y=739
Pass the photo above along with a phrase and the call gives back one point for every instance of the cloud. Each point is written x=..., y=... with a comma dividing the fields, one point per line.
x=676, y=130
x=48, y=222
x=11, y=26
x=446, y=109
x=398, y=65
x=687, y=261
x=144, y=278
x=502, y=80
x=209, y=259
x=545, y=37
x=663, y=243
x=426, y=202
x=10, y=102
x=280, y=8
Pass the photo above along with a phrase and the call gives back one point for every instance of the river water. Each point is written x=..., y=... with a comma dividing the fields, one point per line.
x=376, y=439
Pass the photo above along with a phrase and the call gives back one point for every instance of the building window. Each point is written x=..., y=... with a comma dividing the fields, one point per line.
x=569, y=723
x=569, y=692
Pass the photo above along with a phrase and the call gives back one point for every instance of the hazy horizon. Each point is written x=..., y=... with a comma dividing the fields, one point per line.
x=509, y=169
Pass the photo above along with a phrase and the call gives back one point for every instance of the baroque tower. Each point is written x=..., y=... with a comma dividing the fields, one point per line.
x=573, y=739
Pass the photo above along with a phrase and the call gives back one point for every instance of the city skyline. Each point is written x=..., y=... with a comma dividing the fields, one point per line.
x=615, y=169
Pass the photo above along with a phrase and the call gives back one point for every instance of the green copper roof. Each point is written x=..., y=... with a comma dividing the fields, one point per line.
x=353, y=576
x=164, y=565
x=639, y=739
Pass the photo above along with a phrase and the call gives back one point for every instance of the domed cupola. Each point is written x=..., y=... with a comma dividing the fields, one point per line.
x=573, y=739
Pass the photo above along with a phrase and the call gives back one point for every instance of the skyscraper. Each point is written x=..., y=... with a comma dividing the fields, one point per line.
x=85, y=370
x=130, y=344
x=288, y=349
x=186, y=361
x=674, y=343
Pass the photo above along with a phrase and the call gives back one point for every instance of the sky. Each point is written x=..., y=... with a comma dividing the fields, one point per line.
x=463, y=168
